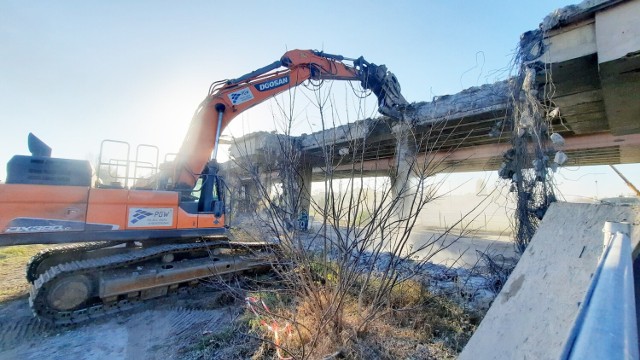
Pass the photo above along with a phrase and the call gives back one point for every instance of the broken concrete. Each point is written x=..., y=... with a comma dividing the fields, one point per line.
x=470, y=102
x=574, y=13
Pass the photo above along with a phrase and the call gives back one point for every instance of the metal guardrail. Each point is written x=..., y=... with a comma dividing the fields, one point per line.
x=606, y=325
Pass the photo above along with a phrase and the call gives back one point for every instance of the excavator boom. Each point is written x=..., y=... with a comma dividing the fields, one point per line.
x=227, y=99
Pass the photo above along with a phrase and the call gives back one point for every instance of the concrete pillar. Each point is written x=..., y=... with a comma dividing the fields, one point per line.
x=251, y=193
x=296, y=193
x=304, y=205
x=247, y=187
x=240, y=193
x=404, y=170
x=245, y=194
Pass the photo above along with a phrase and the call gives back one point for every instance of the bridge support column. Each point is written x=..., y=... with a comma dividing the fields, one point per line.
x=402, y=189
x=247, y=197
x=304, y=203
x=296, y=191
x=248, y=189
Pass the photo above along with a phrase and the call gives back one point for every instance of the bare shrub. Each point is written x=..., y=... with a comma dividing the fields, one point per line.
x=357, y=273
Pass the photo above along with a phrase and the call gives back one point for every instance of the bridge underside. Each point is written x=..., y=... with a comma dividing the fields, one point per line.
x=588, y=72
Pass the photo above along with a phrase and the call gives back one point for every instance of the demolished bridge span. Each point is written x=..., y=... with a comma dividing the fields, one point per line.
x=582, y=65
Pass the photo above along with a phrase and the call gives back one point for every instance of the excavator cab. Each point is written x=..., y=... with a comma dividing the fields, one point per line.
x=211, y=194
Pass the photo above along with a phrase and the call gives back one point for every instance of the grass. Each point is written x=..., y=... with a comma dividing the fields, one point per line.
x=226, y=342
x=416, y=324
x=215, y=340
x=13, y=260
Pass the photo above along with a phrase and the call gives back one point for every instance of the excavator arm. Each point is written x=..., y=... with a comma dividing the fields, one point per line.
x=227, y=99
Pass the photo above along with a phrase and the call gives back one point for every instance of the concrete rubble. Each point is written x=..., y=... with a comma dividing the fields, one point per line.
x=474, y=289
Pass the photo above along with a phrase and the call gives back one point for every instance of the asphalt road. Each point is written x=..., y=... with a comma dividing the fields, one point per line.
x=459, y=250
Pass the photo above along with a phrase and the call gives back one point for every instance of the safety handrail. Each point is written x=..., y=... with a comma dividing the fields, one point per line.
x=606, y=325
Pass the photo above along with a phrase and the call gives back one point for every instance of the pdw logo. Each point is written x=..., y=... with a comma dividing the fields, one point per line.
x=240, y=96
x=150, y=217
x=139, y=215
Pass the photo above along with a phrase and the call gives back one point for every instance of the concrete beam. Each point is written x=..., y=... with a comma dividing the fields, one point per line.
x=477, y=103
x=338, y=135
x=595, y=44
x=617, y=31
x=618, y=37
x=570, y=43
x=490, y=156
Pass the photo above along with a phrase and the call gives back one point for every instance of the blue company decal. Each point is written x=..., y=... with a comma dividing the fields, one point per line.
x=139, y=215
x=272, y=84
x=240, y=96
x=148, y=217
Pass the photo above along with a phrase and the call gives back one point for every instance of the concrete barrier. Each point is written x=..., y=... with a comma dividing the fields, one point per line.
x=533, y=315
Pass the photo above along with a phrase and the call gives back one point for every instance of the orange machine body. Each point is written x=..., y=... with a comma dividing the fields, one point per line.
x=56, y=212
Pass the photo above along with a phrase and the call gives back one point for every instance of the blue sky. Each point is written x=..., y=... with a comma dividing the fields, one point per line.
x=78, y=72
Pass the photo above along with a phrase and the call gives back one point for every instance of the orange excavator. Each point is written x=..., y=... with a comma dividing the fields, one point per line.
x=130, y=241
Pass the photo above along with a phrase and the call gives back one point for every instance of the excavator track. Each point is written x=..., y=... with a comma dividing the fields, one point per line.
x=38, y=263
x=87, y=289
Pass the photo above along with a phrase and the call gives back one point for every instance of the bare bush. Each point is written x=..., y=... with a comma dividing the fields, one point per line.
x=358, y=264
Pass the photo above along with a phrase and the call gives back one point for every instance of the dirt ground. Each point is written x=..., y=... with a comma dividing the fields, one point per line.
x=12, y=267
x=171, y=328
x=168, y=328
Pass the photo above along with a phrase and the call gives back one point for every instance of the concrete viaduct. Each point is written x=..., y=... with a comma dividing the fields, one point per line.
x=588, y=82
